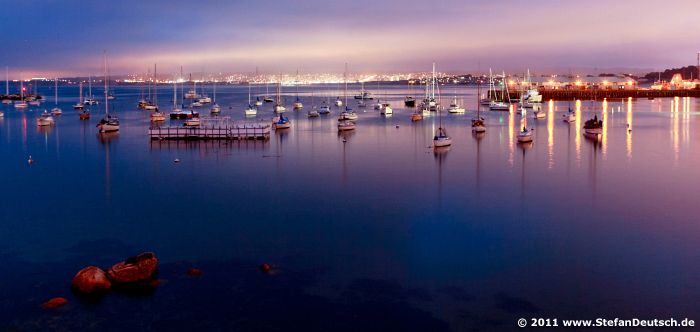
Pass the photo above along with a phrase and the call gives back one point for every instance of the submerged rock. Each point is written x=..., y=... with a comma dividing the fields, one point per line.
x=133, y=269
x=54, y=303
x=90, y=280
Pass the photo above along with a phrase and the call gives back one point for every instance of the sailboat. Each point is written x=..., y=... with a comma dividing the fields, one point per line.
x=594, y=126
x=386, y=108
x=89, y=100
x=267, y=97
x=56, y=110
x=417, y=114
x=215, y=107
x=110, y=122
x=487, y=101
x=339, y=102
x=325, y=107
x=454, y=106
x=410, y=102
x=250, y=110
x=362, y=95
x=345, y=123
x=501, y=106
x=297, y=104
x=32, y=98
x=205, y=99
x=525, y=135
x=7, y=100
x=80, y=105
x=176, y=112
x=157, y=115
x=441, y=138
x=192, y=94
x=570, y=115
x=21, y=103
x=478, y=122
x=279, y=107
x=313, y=113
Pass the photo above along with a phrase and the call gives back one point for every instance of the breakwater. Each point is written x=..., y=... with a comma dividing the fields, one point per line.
x=601, y=94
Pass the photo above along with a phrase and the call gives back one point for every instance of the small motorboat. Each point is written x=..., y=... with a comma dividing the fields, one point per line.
x=417, y=116
x=192, y=122
x=539, y=114
x=325, y=109
x=268, y=99
x=20, y=104
x=313, y=113
x=196, y=104
x=157, y=116
x=84, y=115
x=386, y=110
x=346, y=125
x=56, y=111
x=215, y=108
x=410, y=102
x=45, y=120
x=499, y=107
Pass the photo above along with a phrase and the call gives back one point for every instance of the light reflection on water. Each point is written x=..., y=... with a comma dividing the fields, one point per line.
x=568, y=216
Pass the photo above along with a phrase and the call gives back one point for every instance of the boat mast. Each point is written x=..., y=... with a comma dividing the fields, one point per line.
x=21, y=87
x=106, y=101
x=7, y=83
x=155, y=92
x=56, y=90
x=345, y=92
x=90, y=82
x=175, y=94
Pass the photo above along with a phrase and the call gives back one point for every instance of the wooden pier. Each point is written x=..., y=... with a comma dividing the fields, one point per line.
x=602, y=94
x=210, y=133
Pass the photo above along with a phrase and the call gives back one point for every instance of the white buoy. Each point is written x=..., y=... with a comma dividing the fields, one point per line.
x=31, y=160
x=177, y=160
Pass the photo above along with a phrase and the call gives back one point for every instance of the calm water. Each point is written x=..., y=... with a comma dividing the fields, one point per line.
x=378, y=233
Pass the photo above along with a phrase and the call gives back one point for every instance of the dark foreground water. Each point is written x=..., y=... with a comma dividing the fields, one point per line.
x=380, y=233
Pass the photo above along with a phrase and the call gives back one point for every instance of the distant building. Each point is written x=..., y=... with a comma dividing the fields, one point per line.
x=676, y=83
x=618, y=82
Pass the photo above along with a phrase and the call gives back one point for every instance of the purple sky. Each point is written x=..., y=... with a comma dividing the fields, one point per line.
x=67, y=37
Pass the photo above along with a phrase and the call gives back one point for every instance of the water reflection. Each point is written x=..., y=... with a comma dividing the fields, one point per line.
x=440, y=154
x=478, y=137
x=629, y=130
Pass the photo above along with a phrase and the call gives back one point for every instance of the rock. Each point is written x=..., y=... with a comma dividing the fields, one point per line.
x=90, y=280
x=151, y=283
x=133, y=269
x=265, y=268
x=194, y=273
x=54, y=303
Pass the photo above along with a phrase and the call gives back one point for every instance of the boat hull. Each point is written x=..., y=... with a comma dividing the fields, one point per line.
x=106, y=127
x=439, y=142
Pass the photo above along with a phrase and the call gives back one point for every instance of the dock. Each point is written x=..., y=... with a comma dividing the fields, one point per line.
x=211, y=128
x=209, y=133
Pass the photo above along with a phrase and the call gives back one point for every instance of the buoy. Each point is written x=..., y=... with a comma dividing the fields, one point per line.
x=31, y=160
x=344, y=140
x=265, y=268
x=230, y=107
x=177, y=160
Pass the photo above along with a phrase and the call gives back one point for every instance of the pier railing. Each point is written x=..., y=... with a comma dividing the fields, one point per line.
x=207, y=133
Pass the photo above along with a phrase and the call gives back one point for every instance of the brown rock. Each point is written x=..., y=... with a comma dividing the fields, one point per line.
x=90, y=280
x=55, y=303
x=133, y=269
x=194, y=273
x=265, y=268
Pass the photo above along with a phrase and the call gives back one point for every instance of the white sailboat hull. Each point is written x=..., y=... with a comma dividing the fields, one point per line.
x=439, y=142
x=346, y=125
x=106, y=127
